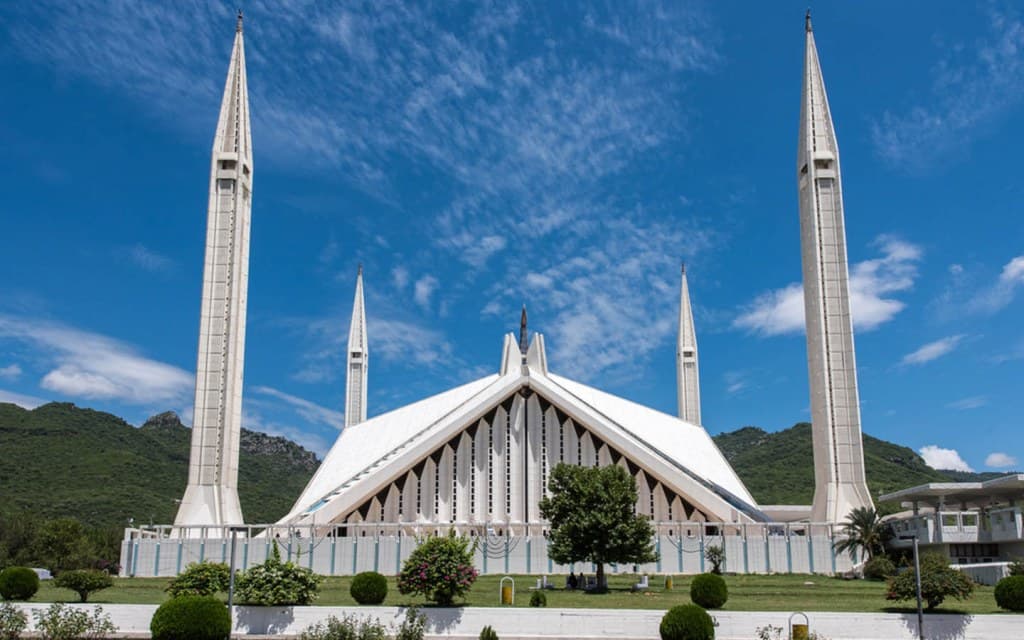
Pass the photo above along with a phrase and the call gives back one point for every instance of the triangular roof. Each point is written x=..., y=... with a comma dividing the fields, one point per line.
x=368, y=456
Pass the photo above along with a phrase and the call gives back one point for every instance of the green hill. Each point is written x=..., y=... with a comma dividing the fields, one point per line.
x=63, y=460
x=778, y=467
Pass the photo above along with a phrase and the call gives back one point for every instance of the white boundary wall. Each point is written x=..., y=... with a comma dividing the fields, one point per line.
x=785, y=552
x=625, y=624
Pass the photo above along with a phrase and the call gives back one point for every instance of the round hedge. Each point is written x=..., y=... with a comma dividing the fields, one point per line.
x=538, y=599
x=879, y=568
x=687, y=622
x=1010, y=593
x=709, y=590
x=369, y=587
x=191, y=618
x=18, y=583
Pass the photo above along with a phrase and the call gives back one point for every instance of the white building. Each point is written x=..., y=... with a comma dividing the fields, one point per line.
x=481, y=454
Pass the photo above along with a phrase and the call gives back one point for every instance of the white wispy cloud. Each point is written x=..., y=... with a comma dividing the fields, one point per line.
x=933, y=350
x=307, y=409
x=943, y=459
x=999, y=460
x=91, y=365
x=424, y=289
x=20, y=399
x=971, y=402
x=11, y=371
x=972, y=85
x=735, y=381
x=873, y=285
x=1002, y=292
x=149, y=259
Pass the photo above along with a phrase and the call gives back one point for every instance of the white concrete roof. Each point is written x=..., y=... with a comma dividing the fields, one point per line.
x=1007, y=486
x=360, y=446
x=381, y=443
x=686, y=444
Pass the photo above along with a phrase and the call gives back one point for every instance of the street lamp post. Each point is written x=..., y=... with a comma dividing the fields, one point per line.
x=231, y=571
x=917, y=585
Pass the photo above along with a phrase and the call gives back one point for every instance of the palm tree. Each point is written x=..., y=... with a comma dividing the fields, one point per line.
x=863, y=530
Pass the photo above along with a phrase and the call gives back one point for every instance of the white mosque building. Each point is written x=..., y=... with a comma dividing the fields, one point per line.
x=477, y=458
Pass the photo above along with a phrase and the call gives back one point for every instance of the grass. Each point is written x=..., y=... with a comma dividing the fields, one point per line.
x=746, y=593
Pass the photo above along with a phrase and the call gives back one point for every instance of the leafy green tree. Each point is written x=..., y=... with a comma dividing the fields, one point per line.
x=938, y=581
x=863, y=531
x=440, y=568
x=84, y=582
x=593, y=518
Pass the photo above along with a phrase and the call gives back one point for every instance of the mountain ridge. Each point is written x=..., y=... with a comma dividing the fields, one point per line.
x=65, y=460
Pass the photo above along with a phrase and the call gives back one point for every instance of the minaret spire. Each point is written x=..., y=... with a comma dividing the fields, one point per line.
x=524, y=336
x=840, y=483
x=687, y=372
x=211, y=497
x=358, y=359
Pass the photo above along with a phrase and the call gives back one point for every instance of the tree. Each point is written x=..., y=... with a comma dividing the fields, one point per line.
x=863, y=530
x=938, y=580
x=593, y=518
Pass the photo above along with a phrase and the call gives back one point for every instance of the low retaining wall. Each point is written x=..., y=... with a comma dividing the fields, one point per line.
x=345, y=556
x=623, y=624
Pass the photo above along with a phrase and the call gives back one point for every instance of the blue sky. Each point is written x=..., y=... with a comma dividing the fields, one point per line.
x=478, y=156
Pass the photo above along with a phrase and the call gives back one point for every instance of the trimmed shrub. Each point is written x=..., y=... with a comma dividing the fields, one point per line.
x=61, y=622
x=879, y=568
x=277, y=584
x=1010, y=593
x=347, y=628
x=84, y=582
x=487, y=633
x=369, y=587
x=12, y=621
x=440, y=568
x=938, y=581
x=538, y=599
x=18, y=583
x=191, y=618
x=709, y=590
x=687, y=622
x=201, y=579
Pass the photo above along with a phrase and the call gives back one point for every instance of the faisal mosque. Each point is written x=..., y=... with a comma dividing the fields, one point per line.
x=480, y=455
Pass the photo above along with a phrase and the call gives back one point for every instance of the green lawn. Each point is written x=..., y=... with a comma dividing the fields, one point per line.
x=746, y=593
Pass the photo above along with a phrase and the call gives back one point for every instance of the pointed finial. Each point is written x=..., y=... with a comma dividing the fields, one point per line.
x=360, y=272
x=238, y=26
x=683, y=270
x=523, y=342
x=807, y=21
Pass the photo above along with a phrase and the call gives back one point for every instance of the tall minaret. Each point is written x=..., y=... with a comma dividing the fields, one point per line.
x=358, y=359
x=211, y=497
x=687, y=372
x=840, y=484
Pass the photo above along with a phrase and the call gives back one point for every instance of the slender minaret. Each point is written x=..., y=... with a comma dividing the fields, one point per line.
x=211, y=497
x=358, y=359
x=687, y=372
x=840, y=484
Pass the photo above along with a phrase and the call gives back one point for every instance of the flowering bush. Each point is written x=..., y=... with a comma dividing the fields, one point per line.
x=277, y=584
x=441, y=569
